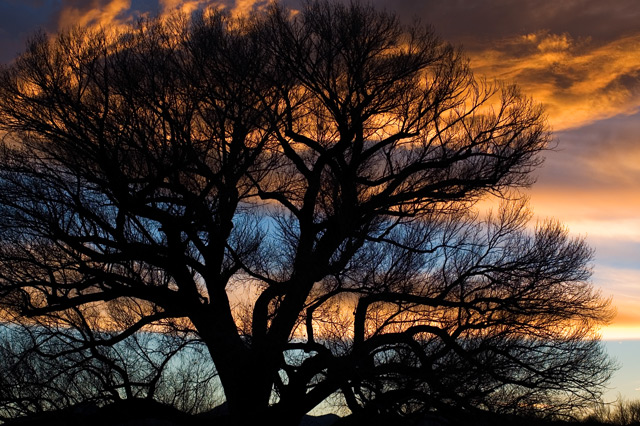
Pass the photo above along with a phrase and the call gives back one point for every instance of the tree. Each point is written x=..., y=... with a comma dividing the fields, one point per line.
x=328, y=161
x=52, y=363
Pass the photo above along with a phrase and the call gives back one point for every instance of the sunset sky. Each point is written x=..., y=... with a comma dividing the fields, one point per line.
x=580, y=58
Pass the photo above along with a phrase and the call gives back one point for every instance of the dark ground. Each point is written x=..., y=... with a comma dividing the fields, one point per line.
x=150, y=413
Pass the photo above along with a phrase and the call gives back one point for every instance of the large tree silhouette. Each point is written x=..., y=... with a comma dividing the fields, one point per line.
x=317, y=168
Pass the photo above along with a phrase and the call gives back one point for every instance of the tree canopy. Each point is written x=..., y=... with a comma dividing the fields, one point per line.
x=294, y=191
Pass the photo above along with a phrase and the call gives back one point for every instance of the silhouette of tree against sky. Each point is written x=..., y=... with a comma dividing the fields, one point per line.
x=327, y=160
x=53, y=363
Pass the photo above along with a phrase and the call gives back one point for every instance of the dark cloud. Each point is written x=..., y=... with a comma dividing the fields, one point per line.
x=19, y=20
x=478, y=22
x=629, y=82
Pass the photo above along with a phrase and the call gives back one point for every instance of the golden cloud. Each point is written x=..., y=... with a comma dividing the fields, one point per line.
x=596, y=214
x=623, y=285
x=109, y=14
x=579, y=81
x=244, y=7
x=550, y=43
x=114, y=14
x=183, y=6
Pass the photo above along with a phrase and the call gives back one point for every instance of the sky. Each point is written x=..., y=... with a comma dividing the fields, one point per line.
x=579, y=58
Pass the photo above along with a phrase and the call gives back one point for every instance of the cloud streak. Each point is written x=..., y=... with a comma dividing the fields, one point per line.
x=109, y=14
x=119, y=13
x=578, y=81
x=623, y=286
x=578, y=57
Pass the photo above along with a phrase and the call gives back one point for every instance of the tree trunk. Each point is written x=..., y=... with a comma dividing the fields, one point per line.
x=246, y=375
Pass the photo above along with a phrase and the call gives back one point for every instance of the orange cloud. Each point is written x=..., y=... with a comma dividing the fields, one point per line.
x=239, y=7
x=586, y=204
x=616, y=332
x=182, y=6
x=113, y=14
x=109, y=14
x=550, y=43
x=579, y=81
x=244, y=7
x=623, y=285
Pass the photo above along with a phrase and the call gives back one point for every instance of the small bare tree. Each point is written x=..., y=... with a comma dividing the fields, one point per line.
x=79, y=356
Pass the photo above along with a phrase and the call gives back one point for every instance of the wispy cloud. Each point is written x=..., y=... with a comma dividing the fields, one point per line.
x=623, y=285
x=107, y=13
x=117, y=13
x=579, y=81
x=578, y=57
x=244, y=7
x=185, y=6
